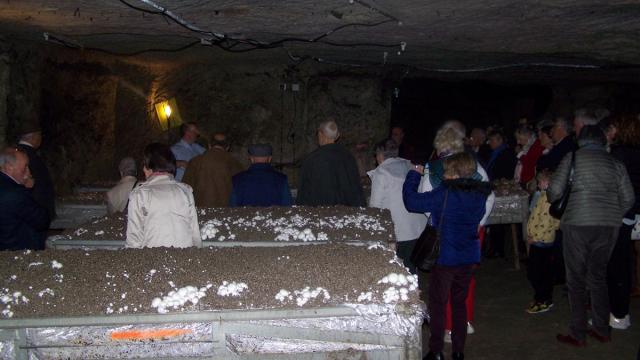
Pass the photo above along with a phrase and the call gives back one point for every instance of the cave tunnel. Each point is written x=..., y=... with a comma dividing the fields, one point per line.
x=101, y=80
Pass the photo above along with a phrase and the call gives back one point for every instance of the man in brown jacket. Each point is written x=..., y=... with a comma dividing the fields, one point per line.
x=210, y=174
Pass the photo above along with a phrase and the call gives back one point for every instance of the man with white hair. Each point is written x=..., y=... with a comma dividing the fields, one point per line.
x=118, y=196
x=563, y=141
x=586, y=116
x=23, y=222
x=329, y=175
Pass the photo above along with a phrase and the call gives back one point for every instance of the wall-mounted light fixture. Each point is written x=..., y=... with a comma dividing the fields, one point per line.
x=168, y=114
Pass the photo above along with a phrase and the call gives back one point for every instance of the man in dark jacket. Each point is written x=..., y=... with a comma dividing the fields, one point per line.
x=478, y=143
x=23, y=222
x=260, y=185
x=502, y=162
x=563, y=142
x=501, y=165
x=329, y=175
x=42, y=191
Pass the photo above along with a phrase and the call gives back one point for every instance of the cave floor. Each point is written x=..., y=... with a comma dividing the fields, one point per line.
x=505, y=331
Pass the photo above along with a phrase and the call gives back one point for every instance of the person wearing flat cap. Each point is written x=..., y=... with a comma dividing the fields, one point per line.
x=260, y=185
x=42, y=191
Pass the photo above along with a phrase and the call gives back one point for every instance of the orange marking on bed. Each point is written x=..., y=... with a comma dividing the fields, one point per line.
x=148, y=334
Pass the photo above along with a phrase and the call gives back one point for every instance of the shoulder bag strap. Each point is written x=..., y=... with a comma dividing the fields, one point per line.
x=444, y=206
x=126, y=207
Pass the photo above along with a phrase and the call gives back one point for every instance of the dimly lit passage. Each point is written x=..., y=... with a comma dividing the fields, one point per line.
x=348, y=179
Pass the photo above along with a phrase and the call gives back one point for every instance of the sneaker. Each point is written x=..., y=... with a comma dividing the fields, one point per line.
x=447, y=336
x=447, y=333
x=540, y=307
x=620, y=324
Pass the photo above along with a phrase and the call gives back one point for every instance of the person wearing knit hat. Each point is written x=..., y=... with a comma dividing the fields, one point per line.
x=260, y=185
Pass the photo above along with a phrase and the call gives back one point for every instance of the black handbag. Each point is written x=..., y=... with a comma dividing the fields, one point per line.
x=558, y=207
x=425, y=254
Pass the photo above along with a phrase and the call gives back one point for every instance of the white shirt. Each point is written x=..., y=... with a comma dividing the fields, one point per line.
x=183, y=151
x=386, y=193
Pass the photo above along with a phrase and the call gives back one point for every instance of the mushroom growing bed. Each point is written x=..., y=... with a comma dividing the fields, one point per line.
x=78, y=208
x=274, y=224
x=181, y=303
x=84, y=198
x=101, y=282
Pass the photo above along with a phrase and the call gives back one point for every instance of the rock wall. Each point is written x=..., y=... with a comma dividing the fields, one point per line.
x=78, y=102
x=94, y=111
x=23, y=96
x=274, y=106
x=618, y=98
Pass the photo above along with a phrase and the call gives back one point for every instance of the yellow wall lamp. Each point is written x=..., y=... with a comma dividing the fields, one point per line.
x=168, y=114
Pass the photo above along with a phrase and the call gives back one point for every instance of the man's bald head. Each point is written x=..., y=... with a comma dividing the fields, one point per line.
x=219, y=140
x=34, y=138
x=328, y=132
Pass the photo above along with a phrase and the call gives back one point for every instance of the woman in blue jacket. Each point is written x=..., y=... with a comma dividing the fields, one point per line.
x=460, y=203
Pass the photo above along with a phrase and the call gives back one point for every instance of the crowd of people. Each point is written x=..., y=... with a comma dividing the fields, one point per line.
x=162, y=210
x=592, y=161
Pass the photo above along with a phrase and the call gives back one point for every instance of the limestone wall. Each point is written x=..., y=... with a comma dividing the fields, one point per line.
x=94, y=111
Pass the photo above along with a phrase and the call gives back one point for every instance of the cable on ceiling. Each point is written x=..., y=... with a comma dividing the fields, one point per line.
x=228, y=43
x=59, y=40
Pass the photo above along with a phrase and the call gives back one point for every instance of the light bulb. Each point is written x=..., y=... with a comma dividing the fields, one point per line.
x=167, y=110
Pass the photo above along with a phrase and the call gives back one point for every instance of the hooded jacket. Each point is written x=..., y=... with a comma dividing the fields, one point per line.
x=464, y=208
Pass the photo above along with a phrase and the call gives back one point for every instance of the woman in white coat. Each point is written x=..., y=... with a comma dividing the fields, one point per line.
x=161, y=210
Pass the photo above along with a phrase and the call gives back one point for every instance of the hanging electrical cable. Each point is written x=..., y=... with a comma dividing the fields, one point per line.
x=231, y=44
x=59, y=40
x=291, y=137
x=228, y=43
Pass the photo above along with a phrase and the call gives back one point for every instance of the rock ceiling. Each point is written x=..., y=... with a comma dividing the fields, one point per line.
x=440, y=35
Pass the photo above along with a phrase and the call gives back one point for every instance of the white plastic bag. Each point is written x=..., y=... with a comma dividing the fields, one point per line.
x=635, y=232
